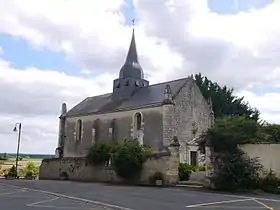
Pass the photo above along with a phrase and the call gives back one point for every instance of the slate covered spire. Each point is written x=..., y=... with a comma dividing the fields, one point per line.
x=131, y=67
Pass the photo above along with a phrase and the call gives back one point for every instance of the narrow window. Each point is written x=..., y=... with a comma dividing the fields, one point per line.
x=79, y=130
x=112, y=129
x=96, y=127
x=138, y=121
x=138, y=132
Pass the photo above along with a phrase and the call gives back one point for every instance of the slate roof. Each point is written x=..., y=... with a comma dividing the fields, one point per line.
x=152, y=95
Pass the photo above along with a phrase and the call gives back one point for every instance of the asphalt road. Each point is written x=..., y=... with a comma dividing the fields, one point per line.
x=54, y=195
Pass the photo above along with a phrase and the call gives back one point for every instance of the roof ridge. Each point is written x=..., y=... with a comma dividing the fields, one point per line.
x=176, y=80
x=100, y=95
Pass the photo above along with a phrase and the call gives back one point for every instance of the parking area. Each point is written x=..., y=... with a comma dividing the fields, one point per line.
x=39, y=194
x=25, y=199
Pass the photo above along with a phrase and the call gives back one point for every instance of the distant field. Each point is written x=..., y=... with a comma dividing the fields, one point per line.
x=21, y=163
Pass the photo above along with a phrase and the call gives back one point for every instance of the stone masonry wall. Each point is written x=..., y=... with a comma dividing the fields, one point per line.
x=191, y=110
x=152, y=128
x=168, y=123
x=78, y=169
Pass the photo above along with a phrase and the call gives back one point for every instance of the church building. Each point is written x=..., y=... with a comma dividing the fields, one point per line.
x=135, y=110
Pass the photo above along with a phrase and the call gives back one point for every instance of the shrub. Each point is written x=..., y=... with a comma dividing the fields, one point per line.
x=270, y=183
x=30, y=170
x=101, y=152
x=236, y=172
x=128, y=160
x=201, y=168
x=156, y=176
x=149, y=150
x=185, y=171
x=12, y=172
x=29, y=174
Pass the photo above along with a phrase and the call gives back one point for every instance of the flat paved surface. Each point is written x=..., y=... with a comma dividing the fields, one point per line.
x=53, y=195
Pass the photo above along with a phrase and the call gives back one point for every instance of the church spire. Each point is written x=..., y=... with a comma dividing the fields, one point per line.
x=131, y=76
x=132, y=55
x=131, y=67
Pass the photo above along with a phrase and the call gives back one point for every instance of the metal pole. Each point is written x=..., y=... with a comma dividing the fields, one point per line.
x=18, y=144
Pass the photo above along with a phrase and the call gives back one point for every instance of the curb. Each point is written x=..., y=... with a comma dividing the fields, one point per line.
x=189, y=186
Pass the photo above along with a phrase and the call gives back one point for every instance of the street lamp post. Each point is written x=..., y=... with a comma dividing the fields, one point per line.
x=18, y=144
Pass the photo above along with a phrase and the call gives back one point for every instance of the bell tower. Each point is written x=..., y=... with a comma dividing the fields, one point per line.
x=131, y=76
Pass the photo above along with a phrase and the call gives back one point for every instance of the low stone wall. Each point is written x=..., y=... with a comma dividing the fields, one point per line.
x=78, y=169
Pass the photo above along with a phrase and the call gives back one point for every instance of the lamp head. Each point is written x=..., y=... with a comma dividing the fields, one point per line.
x=15, y=129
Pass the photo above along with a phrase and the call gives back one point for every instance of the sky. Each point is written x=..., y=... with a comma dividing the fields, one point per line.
x=55, y=51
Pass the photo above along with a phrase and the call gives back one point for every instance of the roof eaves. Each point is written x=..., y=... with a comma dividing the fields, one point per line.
x=116, y=110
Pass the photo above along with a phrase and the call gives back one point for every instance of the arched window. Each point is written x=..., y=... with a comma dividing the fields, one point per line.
x=138, y=117
x=79, y=130
x=138, y=129
x=112, y=129
x=96, y=130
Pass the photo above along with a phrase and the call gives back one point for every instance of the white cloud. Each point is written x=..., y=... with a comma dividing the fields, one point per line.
x=174, y=38
x=34, y=97
x=267, y=103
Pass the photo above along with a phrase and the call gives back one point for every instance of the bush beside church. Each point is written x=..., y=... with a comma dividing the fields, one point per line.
x=108, y=162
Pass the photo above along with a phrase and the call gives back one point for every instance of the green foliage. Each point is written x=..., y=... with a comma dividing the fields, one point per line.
x=228, y=133
x=31, y=170
x=156, y=176
x=149, y=150
x=270, y=183
x=128, y=160
x=270, y=133
x=101, y=152
x=185, y=171
x=201, y=168
x=232, y=168
x=12, y=172
x=236, y=171
x=225, y=103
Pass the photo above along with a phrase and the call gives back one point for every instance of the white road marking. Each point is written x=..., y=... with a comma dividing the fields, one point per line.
x=66, y=207
x=218, y=202
x=233, y=207
x=44, y=201
x=261, y=203
x=237, y=196
x=71, y=197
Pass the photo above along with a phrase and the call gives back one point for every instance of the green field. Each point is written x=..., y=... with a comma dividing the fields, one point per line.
x=6, y=164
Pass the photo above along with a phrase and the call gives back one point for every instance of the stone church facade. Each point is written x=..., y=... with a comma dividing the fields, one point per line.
x=136, y=110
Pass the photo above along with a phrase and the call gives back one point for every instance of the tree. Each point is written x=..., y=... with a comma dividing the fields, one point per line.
x=225, y=103
x=228, y=133
x=270, y=133
x=233, y=169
